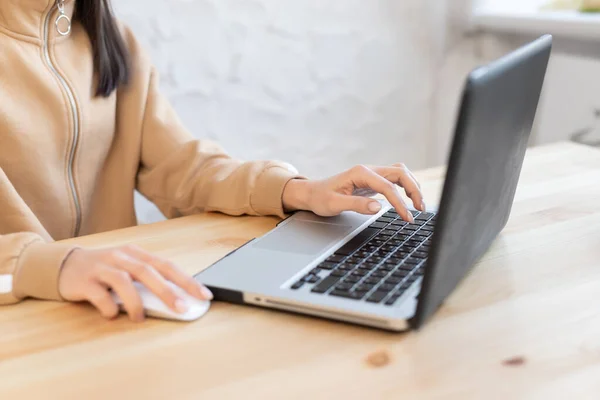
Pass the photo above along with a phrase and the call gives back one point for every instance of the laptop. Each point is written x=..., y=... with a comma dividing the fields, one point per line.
x=381, y=271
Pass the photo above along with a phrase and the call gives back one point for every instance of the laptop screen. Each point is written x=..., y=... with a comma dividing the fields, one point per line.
x=495, y=120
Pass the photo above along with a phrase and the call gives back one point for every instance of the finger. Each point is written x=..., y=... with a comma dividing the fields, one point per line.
x=146, y=274
x=364, y=176
x=362, y=205
x=101, y=299
x=423, y=205
x=171, y=272
x=409, y=172
x=122, y=284
x=401, y=175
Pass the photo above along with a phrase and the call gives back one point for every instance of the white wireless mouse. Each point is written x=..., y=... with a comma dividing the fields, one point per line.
x=154, y=307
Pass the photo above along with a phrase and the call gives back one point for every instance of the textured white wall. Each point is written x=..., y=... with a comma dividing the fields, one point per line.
x=320, y=84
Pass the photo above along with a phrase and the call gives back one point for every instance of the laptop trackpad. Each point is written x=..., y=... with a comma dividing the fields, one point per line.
x=303, y=237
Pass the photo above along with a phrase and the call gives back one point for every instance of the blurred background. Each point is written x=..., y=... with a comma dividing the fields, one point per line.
x=328, y=84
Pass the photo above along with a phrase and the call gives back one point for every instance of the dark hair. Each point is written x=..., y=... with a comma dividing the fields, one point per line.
x=111, y=58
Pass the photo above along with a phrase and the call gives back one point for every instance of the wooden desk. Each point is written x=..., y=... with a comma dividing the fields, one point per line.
x=524, y=324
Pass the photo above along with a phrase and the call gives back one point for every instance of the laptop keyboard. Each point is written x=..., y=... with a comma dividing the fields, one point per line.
x=378, y=264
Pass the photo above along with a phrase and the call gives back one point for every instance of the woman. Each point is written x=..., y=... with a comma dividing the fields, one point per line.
x=83, y=125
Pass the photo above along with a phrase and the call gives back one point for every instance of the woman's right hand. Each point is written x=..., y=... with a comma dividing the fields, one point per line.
x=89, y=275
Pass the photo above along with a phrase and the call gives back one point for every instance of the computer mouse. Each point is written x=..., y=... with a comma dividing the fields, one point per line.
x=154, y=307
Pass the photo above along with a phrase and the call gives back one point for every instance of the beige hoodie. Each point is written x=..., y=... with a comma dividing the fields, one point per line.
x=70, y=162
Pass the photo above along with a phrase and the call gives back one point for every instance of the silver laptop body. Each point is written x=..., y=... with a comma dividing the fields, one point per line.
x=291, y=268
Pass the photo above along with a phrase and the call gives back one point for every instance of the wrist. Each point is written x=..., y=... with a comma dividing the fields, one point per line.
x=296, y=195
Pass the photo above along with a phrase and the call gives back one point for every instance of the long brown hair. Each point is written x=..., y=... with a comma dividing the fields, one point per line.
x=111, y=58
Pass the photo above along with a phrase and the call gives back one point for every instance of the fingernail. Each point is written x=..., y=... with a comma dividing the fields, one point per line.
x=411, y=219
x=374, y=206
x=181, y=306
x=423, y=206
x=206, y=293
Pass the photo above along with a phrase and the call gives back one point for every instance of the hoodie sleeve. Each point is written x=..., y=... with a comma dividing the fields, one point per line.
x=30, y=267
x=183, y=175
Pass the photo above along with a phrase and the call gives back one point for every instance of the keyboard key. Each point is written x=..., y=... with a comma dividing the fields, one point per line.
x=297, y=285
x=387, y=268
x=399, y=222
x=325, y=284
x=357, y=241
x=386, y=287
x=374, y=259
x=315, y=271
x=352, y=279
x=327, y=265
x=336, y=258
x=377, y=296
x=338, y=273
x=420, y=222
x=400, y=273
x=393, y=280
x=378, y=225
x=425, y=215
x=347, y=295
x=410, y=227
x=391, y=263
x=426, y=228
x=420, y=254
x=381, y=253
x=369, y=264
x=415, y=213
x=345, y=267
x=394, y=228
x=372, y=280
x=406, y=267
x=365, y=267
x=412, y=261
x=391, y=300
x=311, y=279
x=422, y=234
x=379, y=273
x=343, y=285
x=385, y=219
x=360, y=272
x=364, y=287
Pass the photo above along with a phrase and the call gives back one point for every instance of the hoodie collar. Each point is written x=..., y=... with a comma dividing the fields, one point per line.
x=26, y=18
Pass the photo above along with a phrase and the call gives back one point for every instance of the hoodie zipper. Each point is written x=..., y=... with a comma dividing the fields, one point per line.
x=46, y=51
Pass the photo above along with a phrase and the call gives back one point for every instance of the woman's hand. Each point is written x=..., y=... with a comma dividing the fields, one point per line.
x=88, y=275
x=350, y=191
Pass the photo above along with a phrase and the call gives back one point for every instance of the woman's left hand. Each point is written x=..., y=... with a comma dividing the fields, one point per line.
x=351, y=191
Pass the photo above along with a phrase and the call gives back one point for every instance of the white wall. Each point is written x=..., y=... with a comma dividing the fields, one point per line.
x=327, y=84
x=321, y=84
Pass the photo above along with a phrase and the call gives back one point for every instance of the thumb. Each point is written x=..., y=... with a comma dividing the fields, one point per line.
x=362, y=205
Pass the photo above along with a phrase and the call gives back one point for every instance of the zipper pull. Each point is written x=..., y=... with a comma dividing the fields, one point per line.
x=60, y=4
